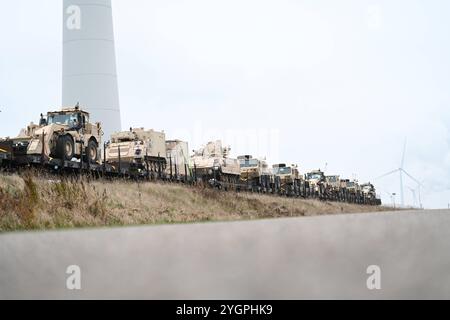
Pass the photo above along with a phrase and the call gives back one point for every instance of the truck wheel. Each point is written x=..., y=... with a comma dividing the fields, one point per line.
x=91, y=151
x=65, y=147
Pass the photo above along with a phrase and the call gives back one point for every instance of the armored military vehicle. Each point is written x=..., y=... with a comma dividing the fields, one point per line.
x=137, y=151
x=66, y=135
x=333, y=188
x=352, y=190
x=369, y=193
x=316, y=183
x=211, y=164
x=287, y=180
x=255, y=174
x=15, y=149
x=177, y=155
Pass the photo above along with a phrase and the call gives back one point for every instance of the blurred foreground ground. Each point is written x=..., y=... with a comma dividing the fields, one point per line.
x=290, y=258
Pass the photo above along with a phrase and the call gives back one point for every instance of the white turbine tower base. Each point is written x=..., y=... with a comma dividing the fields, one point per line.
x=89, y=62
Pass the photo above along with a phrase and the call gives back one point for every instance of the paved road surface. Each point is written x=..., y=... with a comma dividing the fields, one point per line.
x=297, y=258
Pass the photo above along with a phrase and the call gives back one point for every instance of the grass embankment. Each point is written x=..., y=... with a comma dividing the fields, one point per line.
x=30, y=202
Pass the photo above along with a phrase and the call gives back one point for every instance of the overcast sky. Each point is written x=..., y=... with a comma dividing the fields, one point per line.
x=307, y=82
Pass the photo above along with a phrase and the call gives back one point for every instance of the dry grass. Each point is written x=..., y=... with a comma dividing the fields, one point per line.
x=30, y=201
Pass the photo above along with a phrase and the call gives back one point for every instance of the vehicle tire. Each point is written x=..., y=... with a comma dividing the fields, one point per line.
x=65, y=148
x=92, y=151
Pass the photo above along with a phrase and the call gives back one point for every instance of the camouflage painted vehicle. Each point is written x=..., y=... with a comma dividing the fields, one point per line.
x=211, y=164
x=287, y=180
x=316, y=184
x=65, y=135
x=137, y=152
x=177, y=155
x=255, y=174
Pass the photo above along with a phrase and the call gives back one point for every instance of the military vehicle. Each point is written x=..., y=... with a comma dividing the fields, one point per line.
x=333, y=188
x=287, y=179
x=137, y=151
x=352, y=190
x=66, y=135
x=316, y=183
x=177, y=155
x=15, y=149
x=6, y=152
x=369, y=193
x=255, y=174
x=211, y=164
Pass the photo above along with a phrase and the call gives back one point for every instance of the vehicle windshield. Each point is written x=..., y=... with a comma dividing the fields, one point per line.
x=70, y=119
x=282, y=170
x=314, y=176
x=332, y=179
x=249, y=163
x=124, y=139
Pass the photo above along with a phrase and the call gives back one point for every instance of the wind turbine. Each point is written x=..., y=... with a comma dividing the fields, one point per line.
x=413, y=191
x=402, y=171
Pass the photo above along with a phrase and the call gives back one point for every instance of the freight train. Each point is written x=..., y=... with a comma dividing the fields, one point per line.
x=66, y=141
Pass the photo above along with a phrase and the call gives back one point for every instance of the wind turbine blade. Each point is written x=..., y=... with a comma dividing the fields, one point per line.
x=387, y=174
x=403, y=155
x=412, y=178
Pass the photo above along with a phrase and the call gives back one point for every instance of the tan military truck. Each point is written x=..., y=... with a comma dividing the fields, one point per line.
x=255, y=174
x=137, y=151
x=211, y=164
x=287, y=179
x=66, y=135
x=177, y=155
x=369, y=193
x=333, y=188
x=352, y=190
x=316, y=183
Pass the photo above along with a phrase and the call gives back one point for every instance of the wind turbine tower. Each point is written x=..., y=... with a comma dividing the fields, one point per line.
x=402, y=171
x=402, y=195
x=89, y=62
